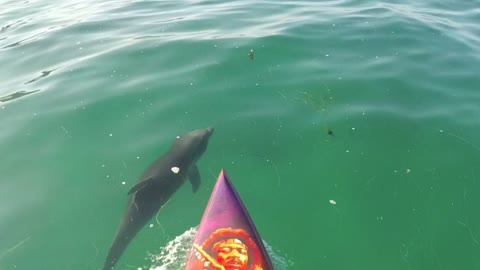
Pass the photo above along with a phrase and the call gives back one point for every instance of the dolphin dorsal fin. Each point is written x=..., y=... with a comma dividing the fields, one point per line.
x=140, y=185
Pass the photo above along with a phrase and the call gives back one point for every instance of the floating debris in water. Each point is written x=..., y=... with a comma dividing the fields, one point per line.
x=329, y=132
x=332, y=202
x=250, y=54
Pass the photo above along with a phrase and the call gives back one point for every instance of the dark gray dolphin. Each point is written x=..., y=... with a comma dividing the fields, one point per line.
x=156, y=185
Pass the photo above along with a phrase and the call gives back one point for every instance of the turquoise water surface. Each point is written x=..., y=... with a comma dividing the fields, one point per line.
x=352, y=135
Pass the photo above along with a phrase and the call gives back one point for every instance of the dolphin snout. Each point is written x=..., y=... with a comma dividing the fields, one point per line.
x=210, y=130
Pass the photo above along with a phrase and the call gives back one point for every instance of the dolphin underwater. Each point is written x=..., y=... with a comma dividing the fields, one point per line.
x=156, y=185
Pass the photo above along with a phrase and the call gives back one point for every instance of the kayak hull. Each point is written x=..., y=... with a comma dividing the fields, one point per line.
x=227, y=237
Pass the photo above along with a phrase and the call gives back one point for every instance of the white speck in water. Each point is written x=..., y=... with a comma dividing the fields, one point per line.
x=408, y=171
x=123, y=183
x=348, y=151
x=138, y=157
x=175, y=169
x=108, y=176
x=353, y=128
x=191, y=83
x=441, y=130
x=103, y=165
x=327, y=55
x=110, y=135
x=332, y=202
x=151, y=225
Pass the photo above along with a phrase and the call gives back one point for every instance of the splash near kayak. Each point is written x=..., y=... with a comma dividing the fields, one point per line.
x=227, y=238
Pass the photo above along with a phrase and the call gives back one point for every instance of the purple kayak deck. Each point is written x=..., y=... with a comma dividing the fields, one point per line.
x=227, y=238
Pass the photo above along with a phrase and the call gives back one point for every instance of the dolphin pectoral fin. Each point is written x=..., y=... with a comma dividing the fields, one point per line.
x=140, y=185
x=194, y=177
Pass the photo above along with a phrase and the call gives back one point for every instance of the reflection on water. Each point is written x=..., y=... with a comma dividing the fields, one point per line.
x=18, y=43
x=45, y=73
x=16, y=95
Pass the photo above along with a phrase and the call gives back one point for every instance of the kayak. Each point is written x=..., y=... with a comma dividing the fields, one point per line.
x=226, y=238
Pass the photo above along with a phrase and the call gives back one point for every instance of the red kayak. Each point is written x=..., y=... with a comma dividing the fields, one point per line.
x=227, y=238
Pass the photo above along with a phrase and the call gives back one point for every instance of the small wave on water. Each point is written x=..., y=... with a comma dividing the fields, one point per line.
x=174, y=254
x=74, y=38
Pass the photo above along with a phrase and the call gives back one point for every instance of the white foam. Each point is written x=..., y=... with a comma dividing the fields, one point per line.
x=173, y=256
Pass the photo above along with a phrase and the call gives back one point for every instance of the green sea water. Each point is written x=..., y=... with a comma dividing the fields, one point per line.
x=352, y=136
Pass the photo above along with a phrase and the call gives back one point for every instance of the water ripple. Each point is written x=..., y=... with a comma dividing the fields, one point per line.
x=16, y=95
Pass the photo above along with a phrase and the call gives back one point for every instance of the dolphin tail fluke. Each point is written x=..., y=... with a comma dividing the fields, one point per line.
x=131, y=224
x=117, y=249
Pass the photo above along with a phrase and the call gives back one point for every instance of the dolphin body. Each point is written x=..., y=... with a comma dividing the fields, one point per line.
x=156, y=185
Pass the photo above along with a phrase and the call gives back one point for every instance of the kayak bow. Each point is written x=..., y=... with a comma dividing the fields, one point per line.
x=227, y=238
